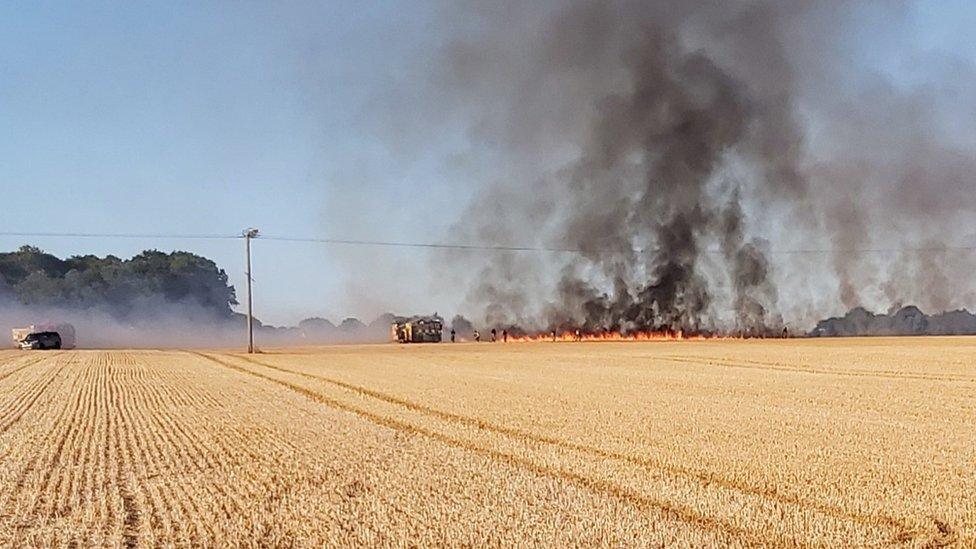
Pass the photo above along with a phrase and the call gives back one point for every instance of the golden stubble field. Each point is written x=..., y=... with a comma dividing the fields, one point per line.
x=826, y=443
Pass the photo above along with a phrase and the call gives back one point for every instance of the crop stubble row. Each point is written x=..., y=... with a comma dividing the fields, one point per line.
x=149, y=448
x=713, y=502
x=127, y=452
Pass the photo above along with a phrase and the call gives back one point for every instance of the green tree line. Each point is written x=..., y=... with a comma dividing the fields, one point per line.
x=124, y=288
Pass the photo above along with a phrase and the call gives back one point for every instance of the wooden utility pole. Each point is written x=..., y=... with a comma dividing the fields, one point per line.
x=248, y=235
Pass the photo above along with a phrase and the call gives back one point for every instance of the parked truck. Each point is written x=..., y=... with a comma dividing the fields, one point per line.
x=50, y=335
x=419, y=329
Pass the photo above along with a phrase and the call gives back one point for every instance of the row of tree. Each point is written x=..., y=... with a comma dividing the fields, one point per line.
x=174, y=293
x=126, y=289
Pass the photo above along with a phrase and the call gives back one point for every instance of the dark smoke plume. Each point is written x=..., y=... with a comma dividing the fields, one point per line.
x=641, y=200
x=674, y=145
x=905, y=321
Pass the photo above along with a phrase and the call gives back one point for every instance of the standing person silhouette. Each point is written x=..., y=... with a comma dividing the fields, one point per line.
x=453, y=333
x=477, y=336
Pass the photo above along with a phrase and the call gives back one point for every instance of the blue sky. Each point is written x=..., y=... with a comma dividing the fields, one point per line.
x=193, y=117
x=205, y=118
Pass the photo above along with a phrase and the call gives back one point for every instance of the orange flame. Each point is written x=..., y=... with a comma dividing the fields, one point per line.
x=610, y=336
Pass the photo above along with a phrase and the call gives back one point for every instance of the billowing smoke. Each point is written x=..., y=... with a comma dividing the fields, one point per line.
x=678, y=149
x=462, y=327
x=904, y=321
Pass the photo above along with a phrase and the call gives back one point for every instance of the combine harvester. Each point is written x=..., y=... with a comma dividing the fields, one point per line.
x=418, y=329
x=45, y=336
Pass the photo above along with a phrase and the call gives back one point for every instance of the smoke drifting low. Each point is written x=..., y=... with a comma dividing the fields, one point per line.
x=185, y=326
x=152, y=300
x=680, y=146
x=168, y=325
x=902, y=322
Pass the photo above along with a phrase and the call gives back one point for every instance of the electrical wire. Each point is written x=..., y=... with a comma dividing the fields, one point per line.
x=456, y=246
x=580, y=251
x=394, y=244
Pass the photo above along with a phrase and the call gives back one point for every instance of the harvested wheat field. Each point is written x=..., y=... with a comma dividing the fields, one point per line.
x=725, y=443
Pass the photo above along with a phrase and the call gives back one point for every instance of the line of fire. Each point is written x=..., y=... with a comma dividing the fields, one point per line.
x=431, y=329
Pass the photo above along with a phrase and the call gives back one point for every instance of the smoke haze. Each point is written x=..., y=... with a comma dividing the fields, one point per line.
x=167, y=325
x=152, y=300
x=682, y=148
x=704, y=165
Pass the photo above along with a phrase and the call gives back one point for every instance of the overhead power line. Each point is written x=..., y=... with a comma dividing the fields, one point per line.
x=460, y=246
x=455, y=246
x=873, y=250
x=395, y=244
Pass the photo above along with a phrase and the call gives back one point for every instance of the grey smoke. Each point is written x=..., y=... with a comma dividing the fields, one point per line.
x=161, y=324
x=901, y=322
x=677, y=144
x=169, y=325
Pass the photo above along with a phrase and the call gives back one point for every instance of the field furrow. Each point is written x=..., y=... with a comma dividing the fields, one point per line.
x=806, y=369
x=617, y=394
x=724, y=444
x=658, y=492
x=648, y=463
x=26, y=390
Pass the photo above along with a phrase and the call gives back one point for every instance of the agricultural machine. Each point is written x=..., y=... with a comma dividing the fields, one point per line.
x=419, y=329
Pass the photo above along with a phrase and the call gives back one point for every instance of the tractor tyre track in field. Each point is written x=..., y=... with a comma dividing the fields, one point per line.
x=55, y=469
x=154, y=418
x=179, y=505
x=812, y=370
x=53, y=438
x=665, y=509
x=212, y=448
x=27, y=363
x=900, y=529
x=122, y=472
x=128, y=448
x=200, y=452
x=130, y=522
x=62, y=472
x=25, y=404
x=25, y=400
x=162, y=448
